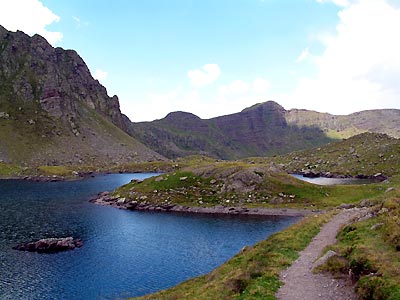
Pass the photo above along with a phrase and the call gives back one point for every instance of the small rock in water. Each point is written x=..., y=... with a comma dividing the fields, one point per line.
x=51, y=245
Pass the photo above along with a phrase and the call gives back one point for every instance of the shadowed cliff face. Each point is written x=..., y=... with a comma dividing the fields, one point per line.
x=33, y=71
x=256, y=131
x=52, y=111
x=263, y=129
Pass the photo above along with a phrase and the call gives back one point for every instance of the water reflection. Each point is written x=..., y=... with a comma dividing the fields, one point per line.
x=125, y=253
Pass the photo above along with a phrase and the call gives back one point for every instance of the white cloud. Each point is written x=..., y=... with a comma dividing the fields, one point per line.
x=100, y=75
x=30, y=16
x=204, y=76
x=360, y=65
x=303, y=55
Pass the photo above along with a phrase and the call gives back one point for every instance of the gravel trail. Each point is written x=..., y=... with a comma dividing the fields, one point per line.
x=299, y=281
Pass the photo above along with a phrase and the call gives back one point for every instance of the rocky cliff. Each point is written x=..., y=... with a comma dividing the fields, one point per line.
x=53, y=111
x=256, y=131
x=263, y=129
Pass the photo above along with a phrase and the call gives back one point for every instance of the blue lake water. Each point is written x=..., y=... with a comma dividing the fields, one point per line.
x=125, y=253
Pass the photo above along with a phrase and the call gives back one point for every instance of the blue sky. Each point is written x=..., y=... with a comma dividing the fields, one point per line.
x=215, y=57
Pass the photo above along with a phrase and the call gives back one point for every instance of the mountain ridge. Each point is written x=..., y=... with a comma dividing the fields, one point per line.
x=52, y=111
x=259, y=130
x=262, y=129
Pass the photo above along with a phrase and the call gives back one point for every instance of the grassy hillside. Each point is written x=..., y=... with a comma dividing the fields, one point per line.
x=29, y=137
x=344, y=126
x=363, y=155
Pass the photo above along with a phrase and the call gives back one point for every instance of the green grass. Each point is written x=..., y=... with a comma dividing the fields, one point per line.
x=366, y=154
x=55, y=170
x=327, y=196
x=253, y=273
x=180, y=187
x=8, y=170
x=370, y=253
x=214, y=184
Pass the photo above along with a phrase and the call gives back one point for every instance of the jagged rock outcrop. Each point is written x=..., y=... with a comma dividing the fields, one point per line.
x=32, y=70
x=52, y=111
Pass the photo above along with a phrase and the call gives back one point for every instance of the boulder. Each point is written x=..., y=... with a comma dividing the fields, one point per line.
x=324, y=258
x=51, y=245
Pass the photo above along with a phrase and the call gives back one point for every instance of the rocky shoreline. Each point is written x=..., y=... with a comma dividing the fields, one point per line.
x=53, y=178
x=105, y=199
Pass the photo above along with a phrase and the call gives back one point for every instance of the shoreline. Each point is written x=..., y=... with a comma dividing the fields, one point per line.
x=78, y=176
x=104, y=199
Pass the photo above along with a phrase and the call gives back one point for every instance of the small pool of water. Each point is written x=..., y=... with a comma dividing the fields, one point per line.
x=334, y=181
x=125, y=253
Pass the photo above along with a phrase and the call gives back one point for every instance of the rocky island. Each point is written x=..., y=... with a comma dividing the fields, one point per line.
x=51, y=245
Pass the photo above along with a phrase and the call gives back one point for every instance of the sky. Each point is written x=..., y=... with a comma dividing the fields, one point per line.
x=216, y=57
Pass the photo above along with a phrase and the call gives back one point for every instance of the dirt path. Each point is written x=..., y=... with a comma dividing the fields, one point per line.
x=299, y=281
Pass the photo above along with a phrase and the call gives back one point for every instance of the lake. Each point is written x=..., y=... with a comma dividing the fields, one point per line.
x=334, y=181
x=124, y=254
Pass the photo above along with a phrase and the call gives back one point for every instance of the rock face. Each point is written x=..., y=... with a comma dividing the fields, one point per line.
x=51, y=245
x=259, y=130
x=33, y=71
x=52, y=111
x=263, y=129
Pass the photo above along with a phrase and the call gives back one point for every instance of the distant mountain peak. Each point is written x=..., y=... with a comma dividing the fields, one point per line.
x=181, y=115
x=265, y=106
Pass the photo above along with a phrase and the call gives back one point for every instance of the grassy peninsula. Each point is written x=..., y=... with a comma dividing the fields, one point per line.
x=367, y=251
